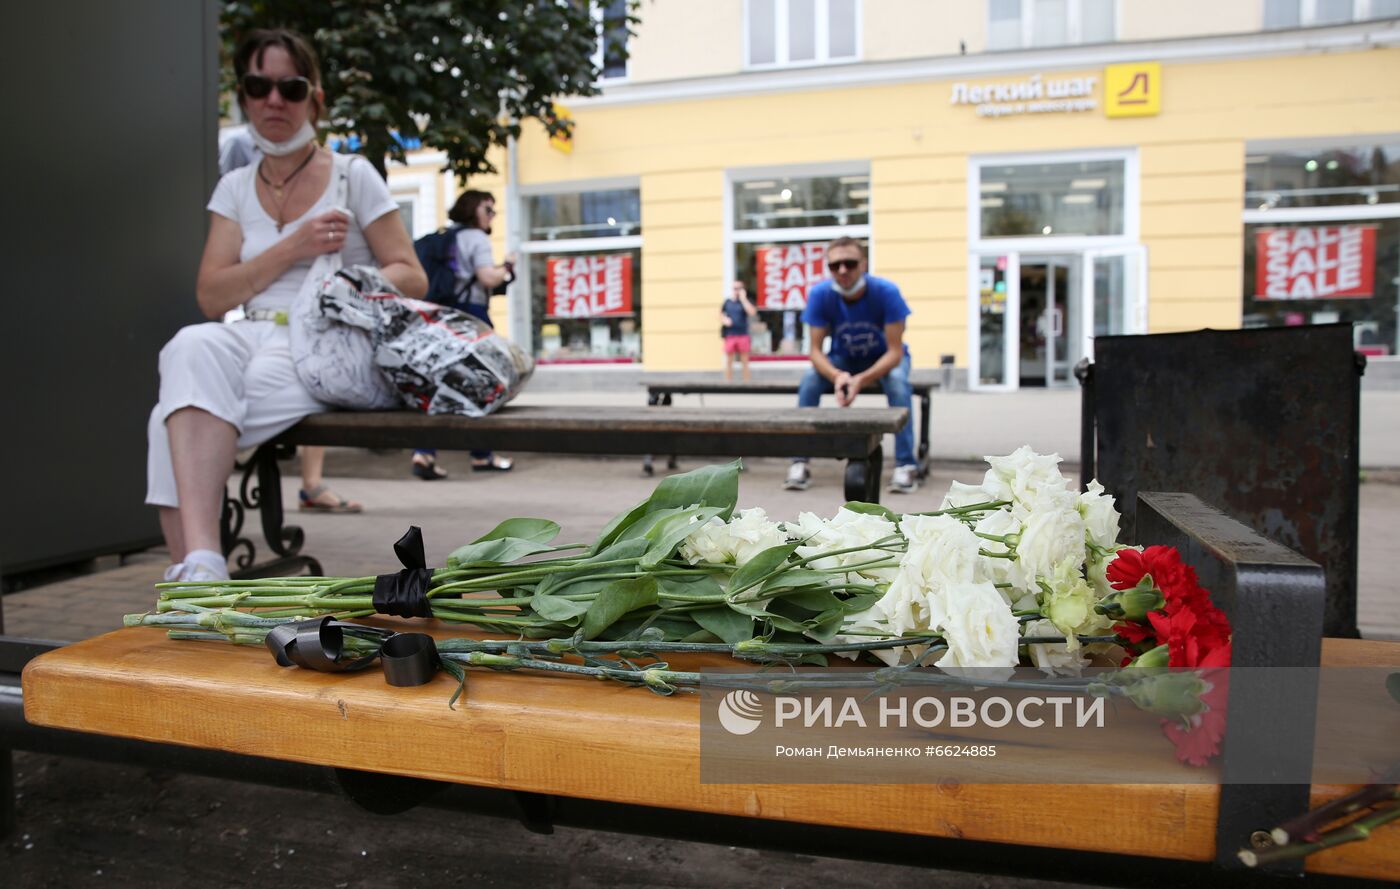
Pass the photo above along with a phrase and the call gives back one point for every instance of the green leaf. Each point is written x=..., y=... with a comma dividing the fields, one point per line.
x=619, y=524
x=864, y=508
x=674, y=526
x=797, y=578
x=623, y=551
x=558, y=609
x=692, y=585
x=494, y=552
x=813, y=600
x=538, y=530
x=616, y=600
x=670, y=629
x=761, y=565
x=726, y=623
x=716, y=485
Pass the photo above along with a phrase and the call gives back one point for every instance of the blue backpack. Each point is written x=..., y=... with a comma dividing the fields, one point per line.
x=437, y=252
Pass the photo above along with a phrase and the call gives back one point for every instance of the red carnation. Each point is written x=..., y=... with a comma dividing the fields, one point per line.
x=1196, y=744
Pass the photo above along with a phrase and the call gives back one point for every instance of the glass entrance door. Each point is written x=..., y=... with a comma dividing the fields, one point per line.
x=995, y=289
x=1051, y=317
x=1112, y=294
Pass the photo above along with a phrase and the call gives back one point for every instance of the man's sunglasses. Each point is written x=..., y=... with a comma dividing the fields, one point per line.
x=293, y=89
x=837, y=265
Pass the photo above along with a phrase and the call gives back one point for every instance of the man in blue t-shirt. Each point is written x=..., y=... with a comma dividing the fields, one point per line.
x=864, y=316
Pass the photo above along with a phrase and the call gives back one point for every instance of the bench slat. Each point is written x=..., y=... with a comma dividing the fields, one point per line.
x=921, y=381
x=614, y=430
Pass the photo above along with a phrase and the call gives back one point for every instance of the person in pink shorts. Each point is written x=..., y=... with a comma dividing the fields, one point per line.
x=734, y=317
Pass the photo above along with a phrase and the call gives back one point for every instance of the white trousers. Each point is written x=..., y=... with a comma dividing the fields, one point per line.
x=241, y=373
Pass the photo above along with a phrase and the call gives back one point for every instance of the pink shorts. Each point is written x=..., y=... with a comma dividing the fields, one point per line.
x=739, y=343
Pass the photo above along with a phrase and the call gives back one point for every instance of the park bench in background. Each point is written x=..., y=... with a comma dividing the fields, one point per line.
x=529, y=760
x=854, y=436
x=661, y=388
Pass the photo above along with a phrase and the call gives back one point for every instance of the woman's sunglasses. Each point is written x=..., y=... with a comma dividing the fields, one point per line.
x=837, y=265
x=293, y=89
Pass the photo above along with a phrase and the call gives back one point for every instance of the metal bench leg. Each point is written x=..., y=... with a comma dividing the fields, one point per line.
x=260, y=488
x=863, y=476
x=657, y=399
x=923, y=434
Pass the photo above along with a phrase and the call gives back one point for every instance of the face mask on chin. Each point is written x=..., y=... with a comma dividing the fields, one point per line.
x=281, y=149
x=854, y=289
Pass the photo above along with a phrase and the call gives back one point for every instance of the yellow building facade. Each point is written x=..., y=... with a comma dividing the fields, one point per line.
x=1024, y=201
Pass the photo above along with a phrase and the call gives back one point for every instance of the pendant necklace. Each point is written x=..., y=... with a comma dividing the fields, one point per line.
x=276, y=188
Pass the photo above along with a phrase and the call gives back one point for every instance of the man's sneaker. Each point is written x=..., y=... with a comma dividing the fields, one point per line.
x=798, y=477
x=905, y=480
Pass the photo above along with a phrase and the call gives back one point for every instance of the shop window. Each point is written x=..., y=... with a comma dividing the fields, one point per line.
x=1298, y=273
x=801, y=32
x=780, y=228
x=584, y=272
x=1322, y=177
x=1021, y=24
x=1064, y=199
x=611, y=58
x=587, y=214
x=1309, y=13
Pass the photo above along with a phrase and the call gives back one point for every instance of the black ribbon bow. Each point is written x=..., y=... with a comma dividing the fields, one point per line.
x=407, y=658
x=405, y=593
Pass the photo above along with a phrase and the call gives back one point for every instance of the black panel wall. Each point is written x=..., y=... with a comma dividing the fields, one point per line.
x=108, y=160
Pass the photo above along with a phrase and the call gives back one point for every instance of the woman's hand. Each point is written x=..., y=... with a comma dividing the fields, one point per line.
x=320, y=234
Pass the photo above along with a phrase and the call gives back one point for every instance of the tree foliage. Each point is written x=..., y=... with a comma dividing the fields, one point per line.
x=460, y=75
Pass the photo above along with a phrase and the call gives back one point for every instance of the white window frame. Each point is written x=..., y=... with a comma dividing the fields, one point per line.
x=1307, y=14
x=1074, y=24
x=1087, y=246
x=1132, y=191
x=598, y=55
x=734, y=235
x=823, y=38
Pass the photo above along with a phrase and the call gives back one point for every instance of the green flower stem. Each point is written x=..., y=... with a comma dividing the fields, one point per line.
x=734, y=594
x=1354, y=831
x=971, y=507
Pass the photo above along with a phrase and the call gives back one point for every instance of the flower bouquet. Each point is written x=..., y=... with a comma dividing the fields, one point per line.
x=1017, y=570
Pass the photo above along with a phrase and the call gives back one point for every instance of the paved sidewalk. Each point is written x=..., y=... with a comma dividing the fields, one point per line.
x=579, y=493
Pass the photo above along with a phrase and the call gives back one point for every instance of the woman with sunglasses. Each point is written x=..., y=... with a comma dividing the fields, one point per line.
x=229, y=386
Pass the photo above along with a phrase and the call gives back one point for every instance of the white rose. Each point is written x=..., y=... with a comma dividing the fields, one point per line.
x=940, y=548
x=707, y=543
x=979, y=628
x=846, y=530
x=1029, y=476
x=750, y=533
x=1100, y=516
x=1050, y=537
x=960, y=494
x=1054, y=659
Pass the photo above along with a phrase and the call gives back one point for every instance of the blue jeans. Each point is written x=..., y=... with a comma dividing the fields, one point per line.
x=897, y=391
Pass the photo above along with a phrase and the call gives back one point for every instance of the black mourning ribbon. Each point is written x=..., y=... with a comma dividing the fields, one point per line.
x=407, y=658
x=405, y=593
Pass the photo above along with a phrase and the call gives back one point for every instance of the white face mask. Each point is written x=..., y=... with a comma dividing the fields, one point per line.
x=280, y=149
x=854, y=288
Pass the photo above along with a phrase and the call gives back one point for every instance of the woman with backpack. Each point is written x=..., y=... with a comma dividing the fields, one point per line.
x=229, y=386
x=475, y=278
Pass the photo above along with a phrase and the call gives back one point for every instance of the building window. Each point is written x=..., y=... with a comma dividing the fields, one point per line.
x=801, y=32
x=406, y=214
x=1308, y=13
x=779, y=228
x=584, y=270
x=611, y=57
x=1064, y=199
x=1322, y=239
x=1023, y=24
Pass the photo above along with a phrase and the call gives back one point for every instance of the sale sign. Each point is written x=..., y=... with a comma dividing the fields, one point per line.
x=589, y=286
x=787, y=272
x=1315, y=262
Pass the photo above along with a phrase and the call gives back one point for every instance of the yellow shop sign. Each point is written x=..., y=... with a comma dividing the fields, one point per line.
x=1133, y=90
x=1129, y=90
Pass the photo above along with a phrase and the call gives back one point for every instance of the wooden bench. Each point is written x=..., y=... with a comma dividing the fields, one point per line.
x=854, y=436
x=661, y=389
x=562, y=738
